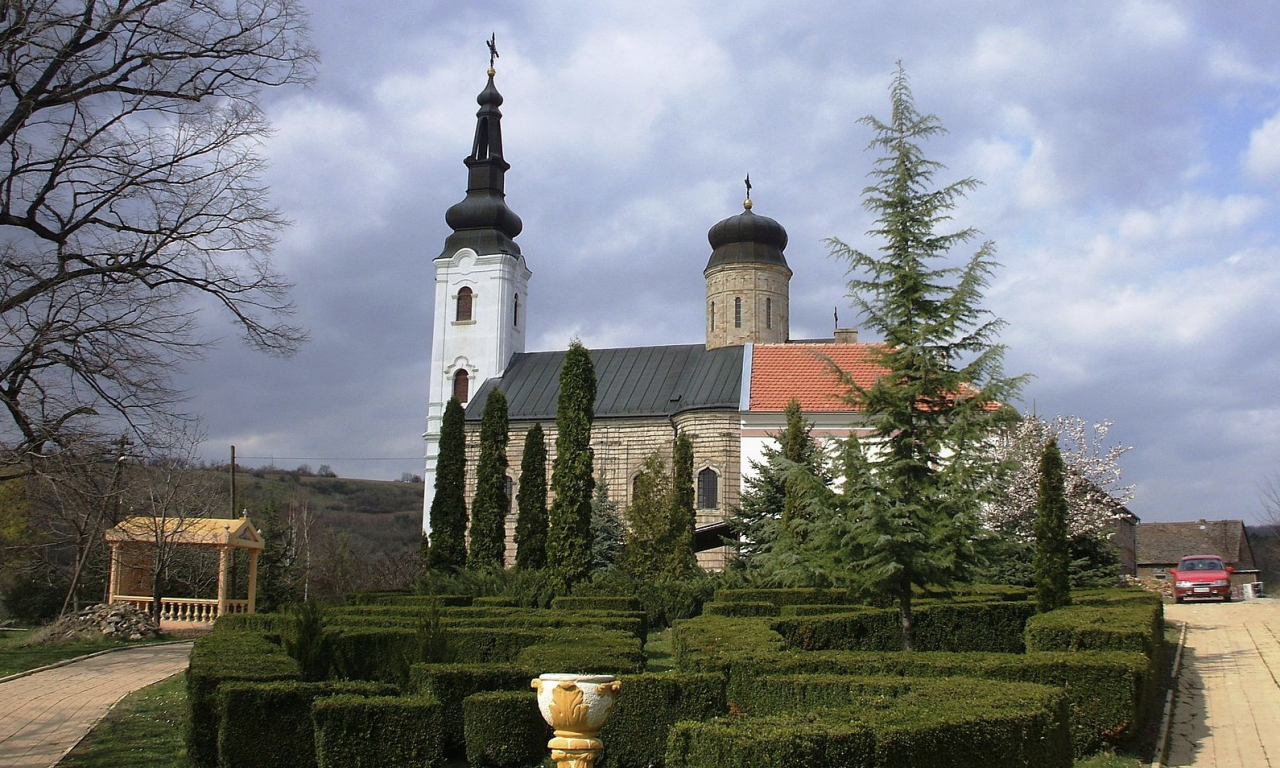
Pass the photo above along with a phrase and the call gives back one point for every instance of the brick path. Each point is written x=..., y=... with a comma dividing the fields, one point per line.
x=1228, y=709
x=44, y=715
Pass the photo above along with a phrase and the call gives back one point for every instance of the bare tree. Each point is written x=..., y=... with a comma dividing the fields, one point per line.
x=129, y=190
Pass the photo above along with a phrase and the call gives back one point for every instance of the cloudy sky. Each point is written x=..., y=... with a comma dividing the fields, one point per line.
x=1129, y=152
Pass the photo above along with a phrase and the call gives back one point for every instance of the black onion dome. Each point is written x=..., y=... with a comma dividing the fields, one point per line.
x=482, y=221
x=747, y=239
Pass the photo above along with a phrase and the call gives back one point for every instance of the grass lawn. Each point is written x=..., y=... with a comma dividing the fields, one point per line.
x=14, y=660
x=145, y=729
x=657, y=652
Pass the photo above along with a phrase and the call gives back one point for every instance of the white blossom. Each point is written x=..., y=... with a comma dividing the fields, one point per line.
x=1095, y=495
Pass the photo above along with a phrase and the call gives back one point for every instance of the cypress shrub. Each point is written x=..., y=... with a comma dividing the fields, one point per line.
x=646, y=709
x=268, y=725
x=572, y=478
x=504, y=729
x=218, y=658
x=448, y=513
x=1052, y=559
x=378, y=732
x=490, y=505
x=451, y=684
x=682, y=518
x=531, y=503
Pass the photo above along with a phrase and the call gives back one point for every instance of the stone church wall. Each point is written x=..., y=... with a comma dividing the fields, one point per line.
x=621, y=447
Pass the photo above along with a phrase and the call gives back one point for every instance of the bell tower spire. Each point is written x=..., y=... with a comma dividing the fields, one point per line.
x=482, y=282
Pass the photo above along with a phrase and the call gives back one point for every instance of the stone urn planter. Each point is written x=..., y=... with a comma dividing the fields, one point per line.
x=576, y=706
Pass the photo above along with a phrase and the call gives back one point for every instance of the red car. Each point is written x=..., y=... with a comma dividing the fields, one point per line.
x=1201, y=576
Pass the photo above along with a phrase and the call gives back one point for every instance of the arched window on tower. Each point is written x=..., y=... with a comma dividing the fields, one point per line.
x=737, y=311
x=461, y=385
x=510, y=486
x=708, y=489
x=768, y=313
x=713, y=315
x=464, y=305
x=515, y=311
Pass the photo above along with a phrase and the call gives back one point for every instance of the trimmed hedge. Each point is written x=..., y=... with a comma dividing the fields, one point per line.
x=743, y=609
x=218, y=658
x=710, y=643
x=495, y=602
x=373, y=653
x=268, y=725
x=378, y=732
x=781, y=597
x=480, y=645
x=819, y=721
x=272, y=625
x=406, y=598
x=1129, y=626
x=596, y=603
x=950, y=626
x=451, y=684
x=586, y=651
x=504, y=729
x=646, y=709
x=1107, y=690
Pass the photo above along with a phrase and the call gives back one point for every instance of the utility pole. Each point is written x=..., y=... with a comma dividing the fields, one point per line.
x=233, y=483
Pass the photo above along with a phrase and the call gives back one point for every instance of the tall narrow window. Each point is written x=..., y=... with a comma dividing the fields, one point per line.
x=515, y=311
x=461, y=385
x=713, y=315
x=464, y=305
x=737, y=311
x=510, y=488
x=768, y=313
x=708, y=489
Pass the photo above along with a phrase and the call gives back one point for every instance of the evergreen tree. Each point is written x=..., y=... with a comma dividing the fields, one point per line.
x=572, y=481
x=531, y=503
x=1053, y=556
x=646, y=553
x=608, y=534
x=917, y=517
x=680, y=557
x=490, y=504
x=449, y=505
x=277, y=567
x=765, y=497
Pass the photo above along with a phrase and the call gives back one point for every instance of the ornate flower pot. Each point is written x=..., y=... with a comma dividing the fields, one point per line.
x=576, y=706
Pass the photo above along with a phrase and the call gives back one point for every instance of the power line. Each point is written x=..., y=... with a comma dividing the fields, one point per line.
x=336, y=458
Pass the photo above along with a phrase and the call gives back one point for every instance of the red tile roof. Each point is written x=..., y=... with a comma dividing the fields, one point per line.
x=780, y=372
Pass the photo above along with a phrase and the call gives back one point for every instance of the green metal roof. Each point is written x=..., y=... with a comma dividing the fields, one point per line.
x=630, y=382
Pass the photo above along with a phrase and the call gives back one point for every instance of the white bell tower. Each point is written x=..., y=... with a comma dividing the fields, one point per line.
x=482, y=285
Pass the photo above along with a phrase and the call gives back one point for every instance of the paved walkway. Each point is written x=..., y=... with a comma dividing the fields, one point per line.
x=1228, y=708
x=44, y=715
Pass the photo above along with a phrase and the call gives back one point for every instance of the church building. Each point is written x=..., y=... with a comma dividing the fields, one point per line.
x=726, y=392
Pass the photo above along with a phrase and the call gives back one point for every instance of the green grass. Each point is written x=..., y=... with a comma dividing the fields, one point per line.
x=658, y=652
x=145, y=729
x=1110, y=761
x=15, y=660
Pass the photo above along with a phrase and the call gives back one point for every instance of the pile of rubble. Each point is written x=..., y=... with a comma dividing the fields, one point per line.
x=1163, y=587
x=117, y=621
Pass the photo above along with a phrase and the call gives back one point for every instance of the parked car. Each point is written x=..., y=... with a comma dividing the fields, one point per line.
x=1201, y=576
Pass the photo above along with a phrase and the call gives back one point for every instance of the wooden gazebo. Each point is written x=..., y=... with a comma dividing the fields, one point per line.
x=133, y=544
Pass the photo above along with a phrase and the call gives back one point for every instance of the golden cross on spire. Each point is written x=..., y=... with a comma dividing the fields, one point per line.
x=747, y=203
x=493, y=50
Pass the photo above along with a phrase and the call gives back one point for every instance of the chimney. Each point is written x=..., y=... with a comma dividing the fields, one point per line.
x=846, y=335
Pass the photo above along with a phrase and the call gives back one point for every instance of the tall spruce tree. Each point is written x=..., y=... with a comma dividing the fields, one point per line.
x=449, y=505
x=572, y=481
x=1053, y=554
x=681, y=560
x=930, y=412
x=608, y=534
x=766, y=499
x=531, y=503
x=490, y=504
